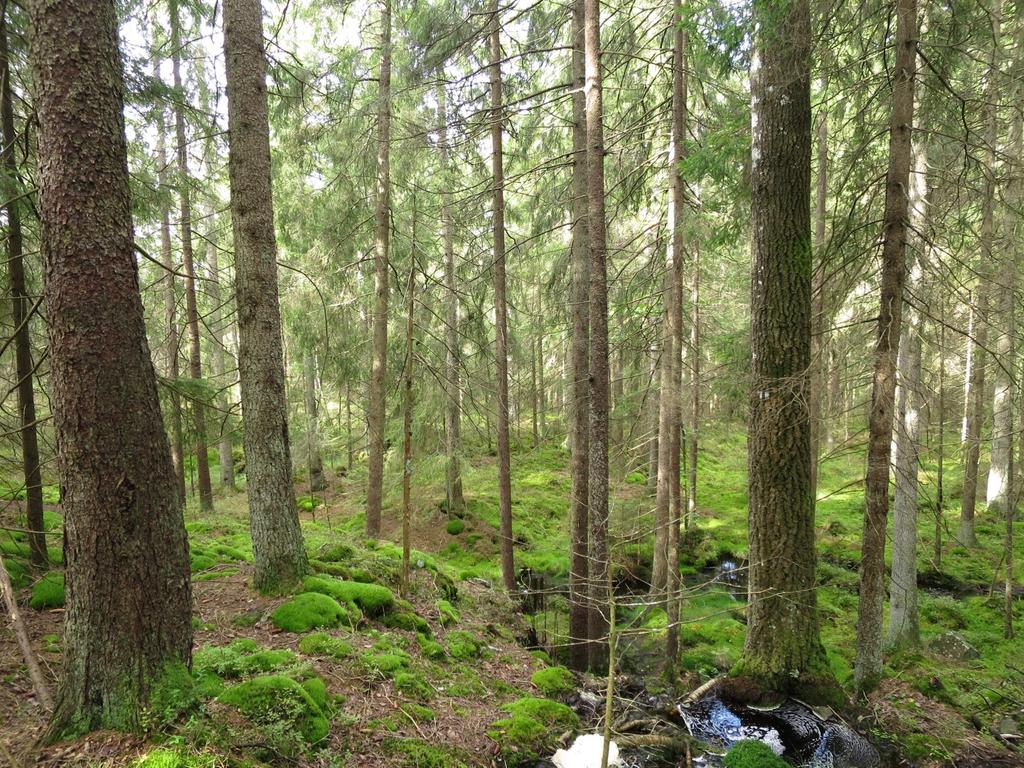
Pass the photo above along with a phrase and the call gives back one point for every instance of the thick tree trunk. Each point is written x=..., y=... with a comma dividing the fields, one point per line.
x=376, y=408
x=904, y=629
x=170, y=313
x=579, y=425
x=276, y=536
x=782, y=651
x=894, y=269
x=21, y=307
x=453, y=341
x=599, y=393
x=500, y=309
x=195, y=360
x=128, y=612
x=220, y=353
x=316, y=462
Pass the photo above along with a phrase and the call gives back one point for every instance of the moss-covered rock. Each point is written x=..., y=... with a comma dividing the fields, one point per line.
x=463, y=646
x=404, y=616
x=554, y=681
x=385, y=663
x=279, y=703
x=317, y=690
x=413, y=686
x=448, y=613
x=531, y=729
x=372, y=599
x=323, y=644
x=432, y=649
x=48, y=592
x=455, y=527
x=310, y=610
x=753, y=754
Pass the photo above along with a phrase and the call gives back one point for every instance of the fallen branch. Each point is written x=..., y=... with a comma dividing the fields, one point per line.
x=34, y=672
x=678, y=744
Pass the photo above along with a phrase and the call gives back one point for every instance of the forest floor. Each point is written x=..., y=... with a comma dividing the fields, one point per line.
x=475, y=697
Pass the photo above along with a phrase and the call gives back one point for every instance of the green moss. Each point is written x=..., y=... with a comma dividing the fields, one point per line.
x=386, y=664
x=279, y=702
x=167, y=758
x=323, y=644
x=317, y=690
x=462, y=645
x=420, y=754
x=410, y=621
x=413, y=685
x=173, y=693
x=532, y=728
x=240, y=658
x=18, y=573
x=372, y=599
x=48, y=592
x=541, y=655
x=418, y=712
x=431, y=648
x=554, y=681
x=753, y=754
x=307, y=611
x=337, y=553
x=455, y=527
x=448, y=613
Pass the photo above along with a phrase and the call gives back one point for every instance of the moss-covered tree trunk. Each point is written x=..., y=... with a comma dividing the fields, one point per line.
x=579, y=424
x=868, y=668
x=277, y=547
x=128, y=608
x=21, y=309
x=783, y=651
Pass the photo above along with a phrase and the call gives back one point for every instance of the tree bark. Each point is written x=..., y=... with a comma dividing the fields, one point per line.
x=904, y=628
x=316, y=462
x=278, y=551
x=376, y=416
x=195, y=360
x=579, y=425
x=783, y=651
x=600, y=596
x=410, y=326
x=868, y=667
x=695, y=390
x=818, y=318
x=21, y=307
x=500, y=309
x=453, y=361
x=128, y=613
x=220, y=353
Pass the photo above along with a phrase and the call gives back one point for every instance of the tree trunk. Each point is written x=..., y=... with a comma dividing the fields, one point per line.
x=128, y=612
x=579, y=425
x=783, y=651
x=376, y=418
x=818, y=318
x=170, y=314
x=695, y=398
x=500, y=309
x=453, y=341
x=21, y=306
x=653, y=423
x=940, y=459
x=218, y=322
x=195, y=360
x=904, y=629
x=276, y=536
x=410, y=326
x=316, y=462
x=599, y=392
x=542, y=401
x=894, y=269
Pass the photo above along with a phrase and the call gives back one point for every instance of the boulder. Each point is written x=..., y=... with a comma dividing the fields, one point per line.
x=953, y=645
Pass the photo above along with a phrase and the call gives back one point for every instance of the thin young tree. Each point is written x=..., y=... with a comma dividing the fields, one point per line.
x=508, y=576
x=376, y=408
x=218, y=323
x=128, y=612
x=21, y=314
x=868, y=668
x=317, y=482
x=783, y=650
x=579, y=415
x=278, y=551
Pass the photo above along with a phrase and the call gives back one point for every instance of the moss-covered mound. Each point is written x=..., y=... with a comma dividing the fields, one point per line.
x=169, y=758
x=323, y=644
x=48, y=592
x=463, y=646
x=753, y=754
x=531, y=729
x=278, y=702
x=310, y=610
x=554, y=681
x=372, y=599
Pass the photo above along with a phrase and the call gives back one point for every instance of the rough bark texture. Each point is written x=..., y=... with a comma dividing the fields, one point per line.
x=868, y=668
x=173, y=340
x=579, y=425
x=218, y=323
x=904, y=629
x=21, y=307
x=818, y=319
x=195, y=359
x=376, y=408
x=500, y=309
x=599, y=383
x=316, y=462
x=128, y=613
x=453, y=380
x=278, y=551
x=783, y=651
x=410, y=327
